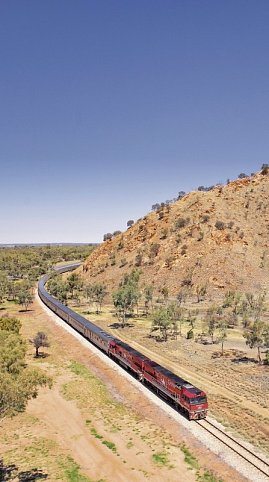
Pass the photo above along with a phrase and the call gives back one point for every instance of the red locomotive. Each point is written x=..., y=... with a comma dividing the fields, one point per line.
x=190, y=400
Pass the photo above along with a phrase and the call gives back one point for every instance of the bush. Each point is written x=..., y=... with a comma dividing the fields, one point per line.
x=205, y=218
x=190, y=335
x=181, y=194
x=154, y=250
x=219, y=225
x=265, y=169
x=181, y=223
x=123, y=262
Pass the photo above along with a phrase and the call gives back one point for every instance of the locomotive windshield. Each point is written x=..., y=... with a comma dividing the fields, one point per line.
x=198, y=400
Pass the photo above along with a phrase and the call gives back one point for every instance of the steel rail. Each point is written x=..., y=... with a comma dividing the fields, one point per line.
x=204, y=422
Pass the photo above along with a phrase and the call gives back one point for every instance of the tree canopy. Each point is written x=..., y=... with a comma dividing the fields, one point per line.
x=18, y=382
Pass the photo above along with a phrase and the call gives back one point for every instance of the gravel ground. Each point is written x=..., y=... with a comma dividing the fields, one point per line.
x=208, y=441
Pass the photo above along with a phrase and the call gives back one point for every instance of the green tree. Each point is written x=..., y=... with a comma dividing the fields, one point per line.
x=58, y=288
x=222, y=332
x=177, y=317
x=40, y=340
x=128, y=294
x=99, y=291
x=191, y=318
x=255, y=336
x=18, y=383
x=148, y=294
x=3, y=286
x=212, y=320
x=10, y=323
x=200, y=291
x=161, y=321
x=25, y=297
x=74, y=282
x=165, y=292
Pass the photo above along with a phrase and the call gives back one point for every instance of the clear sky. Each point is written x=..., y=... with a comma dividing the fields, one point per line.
x=109, y=106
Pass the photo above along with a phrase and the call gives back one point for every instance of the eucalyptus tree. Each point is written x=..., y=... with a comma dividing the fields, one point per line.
x=161, y=321
x=18, y=382
x=256, y=336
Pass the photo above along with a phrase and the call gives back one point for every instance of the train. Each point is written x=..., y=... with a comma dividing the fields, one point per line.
x=185, y=397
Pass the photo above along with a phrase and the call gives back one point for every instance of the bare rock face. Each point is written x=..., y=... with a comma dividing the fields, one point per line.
x=218, y=239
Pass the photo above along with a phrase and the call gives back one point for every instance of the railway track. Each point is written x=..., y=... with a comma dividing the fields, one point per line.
x=254, y=460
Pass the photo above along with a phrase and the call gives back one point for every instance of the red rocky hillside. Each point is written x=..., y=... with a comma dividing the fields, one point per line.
x=218, y=238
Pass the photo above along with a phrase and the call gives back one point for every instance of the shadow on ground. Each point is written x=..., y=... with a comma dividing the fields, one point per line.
x=11, y=472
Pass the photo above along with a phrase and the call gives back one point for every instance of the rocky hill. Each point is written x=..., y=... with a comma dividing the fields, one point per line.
x=217, y=238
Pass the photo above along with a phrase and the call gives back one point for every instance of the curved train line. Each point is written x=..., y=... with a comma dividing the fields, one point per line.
x=187, y=398
x=79, y=323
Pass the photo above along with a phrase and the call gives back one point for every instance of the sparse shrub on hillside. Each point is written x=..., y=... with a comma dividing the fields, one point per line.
x=181, y=223
x=164, y=233
x=187, y=281
x=108, y=236
x=168, y=206
x=205, y=189
x=183, y=249
x=219, y=225
x=200, y=236
x=123, y=262
x=116, y=233
x=155, y=207
x=154, y=250
x=121, y=243
x=205, y=218
x=181, y=194
x=265, y=169
x=169, y=261
x=112, y=259
x=242, y=175
x=178, y=238
x=130, y=223
x=138, y=259
x=200, y=291
x=230, y=224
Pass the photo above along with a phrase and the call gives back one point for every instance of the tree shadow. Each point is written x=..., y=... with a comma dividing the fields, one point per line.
x=41, y=355
x=245, y=359
x=116, y=326
x=23, y=310
x=11, y=472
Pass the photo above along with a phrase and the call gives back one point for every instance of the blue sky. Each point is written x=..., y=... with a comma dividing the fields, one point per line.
x=109, y=106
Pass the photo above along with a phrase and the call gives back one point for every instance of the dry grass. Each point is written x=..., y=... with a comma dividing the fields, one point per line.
x=231, y=386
